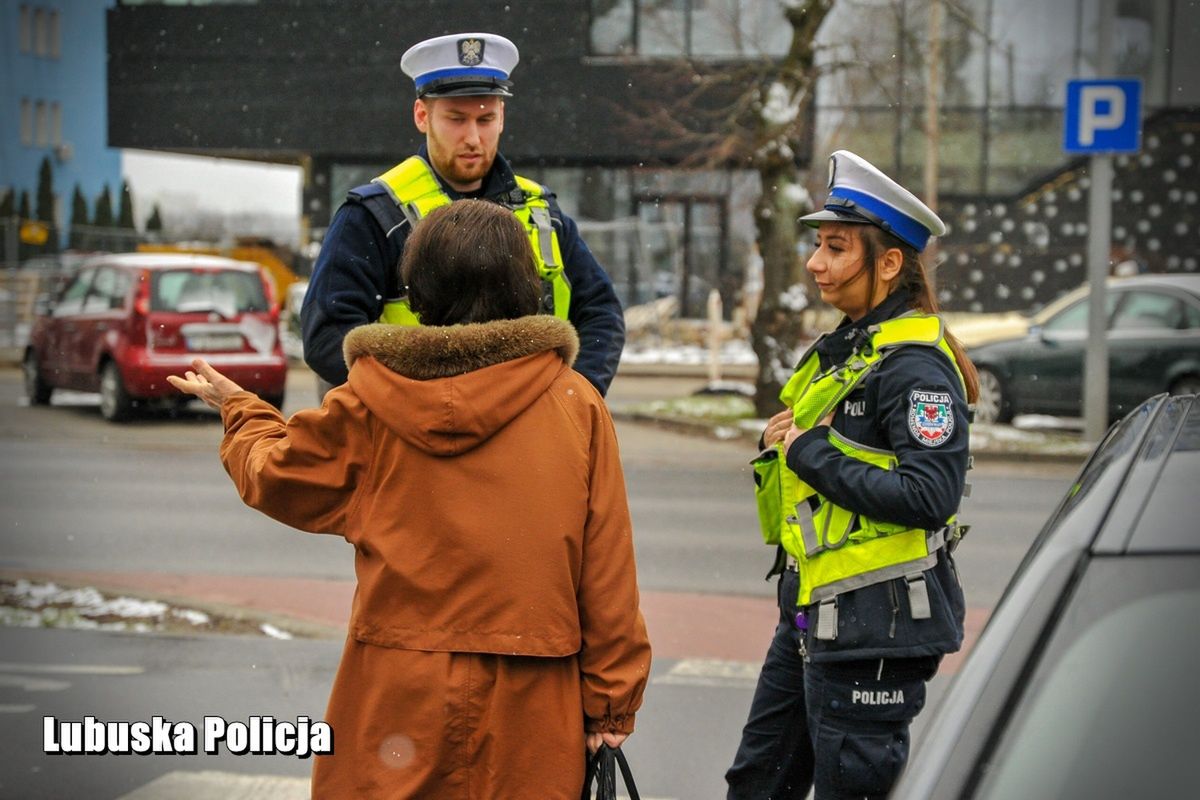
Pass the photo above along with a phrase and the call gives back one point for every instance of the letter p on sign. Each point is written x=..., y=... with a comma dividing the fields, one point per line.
x=1103, y=116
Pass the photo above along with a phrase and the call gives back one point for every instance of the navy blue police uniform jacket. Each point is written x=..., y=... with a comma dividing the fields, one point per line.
x=923, y=491
x=358, y=270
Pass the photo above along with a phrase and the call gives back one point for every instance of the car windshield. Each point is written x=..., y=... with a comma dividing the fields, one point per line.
x=227, y=292
x=1110, y=709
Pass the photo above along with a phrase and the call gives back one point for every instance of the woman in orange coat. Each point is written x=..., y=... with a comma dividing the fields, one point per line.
x=495, y=629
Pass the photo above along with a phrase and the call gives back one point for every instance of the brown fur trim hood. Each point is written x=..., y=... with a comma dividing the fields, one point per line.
x=426, y=353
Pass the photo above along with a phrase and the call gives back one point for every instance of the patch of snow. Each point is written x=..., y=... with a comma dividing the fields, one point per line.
x=86, y=601
x=273, y=632
x=780, y=107
x=797, y=194
x=732, y=352
x=192, y=616
x=795, y=298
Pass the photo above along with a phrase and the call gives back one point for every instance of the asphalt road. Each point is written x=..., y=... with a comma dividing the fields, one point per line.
x=79, y=494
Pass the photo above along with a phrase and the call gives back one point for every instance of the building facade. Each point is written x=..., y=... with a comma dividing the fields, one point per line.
x=601, y=115
x=53, y=90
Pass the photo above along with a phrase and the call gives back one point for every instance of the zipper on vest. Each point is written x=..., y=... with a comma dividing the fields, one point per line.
x=895, y=608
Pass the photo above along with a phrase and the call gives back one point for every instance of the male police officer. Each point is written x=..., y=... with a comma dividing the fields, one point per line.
x=461, y=83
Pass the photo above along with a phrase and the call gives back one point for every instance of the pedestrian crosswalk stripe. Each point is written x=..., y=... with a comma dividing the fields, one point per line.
x=213, y=785
x=71, y=669
x=28, y=684
x=711, y=672
x=16, y=708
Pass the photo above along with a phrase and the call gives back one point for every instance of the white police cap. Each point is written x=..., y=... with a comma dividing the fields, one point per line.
x=461, y=64
x=860, y=193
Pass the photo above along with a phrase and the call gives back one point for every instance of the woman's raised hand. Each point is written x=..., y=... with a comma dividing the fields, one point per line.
x=206, y=383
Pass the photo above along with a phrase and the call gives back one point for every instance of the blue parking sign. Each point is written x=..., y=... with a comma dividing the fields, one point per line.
x=1103, y=115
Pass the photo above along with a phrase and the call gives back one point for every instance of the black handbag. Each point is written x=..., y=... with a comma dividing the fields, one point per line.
x=602, y=769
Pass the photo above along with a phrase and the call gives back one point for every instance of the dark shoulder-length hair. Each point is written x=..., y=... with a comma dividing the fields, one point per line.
x=470, y=261
x=912, y=277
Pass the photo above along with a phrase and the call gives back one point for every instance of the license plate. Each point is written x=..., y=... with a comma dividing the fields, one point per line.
x=215, y=341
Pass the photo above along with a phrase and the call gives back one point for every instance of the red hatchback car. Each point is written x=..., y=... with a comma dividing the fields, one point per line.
x=125, y=322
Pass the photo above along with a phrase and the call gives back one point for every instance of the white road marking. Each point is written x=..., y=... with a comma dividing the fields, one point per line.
x=32, y=684
x=711, y=672
x=213, y=785
x=15, y=708
x=71, y=669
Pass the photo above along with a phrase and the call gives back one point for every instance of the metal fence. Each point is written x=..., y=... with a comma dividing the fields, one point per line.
x=19, y=293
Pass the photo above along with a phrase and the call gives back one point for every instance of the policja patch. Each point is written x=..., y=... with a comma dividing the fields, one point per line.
x=930, y=417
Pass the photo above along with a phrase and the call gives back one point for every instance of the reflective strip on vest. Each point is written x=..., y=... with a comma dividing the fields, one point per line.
x=413, y=187
x=836, y=549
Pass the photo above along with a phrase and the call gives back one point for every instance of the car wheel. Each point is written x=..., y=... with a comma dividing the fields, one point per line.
x=992, y=405
x=36, y=389
x=1188, y=384
x=115, y=403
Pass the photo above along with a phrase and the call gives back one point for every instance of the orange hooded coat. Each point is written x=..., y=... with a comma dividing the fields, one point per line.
x=496, y=614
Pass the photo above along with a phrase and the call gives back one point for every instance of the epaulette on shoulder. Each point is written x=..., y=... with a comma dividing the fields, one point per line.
x=360, y=193
x=377, y=200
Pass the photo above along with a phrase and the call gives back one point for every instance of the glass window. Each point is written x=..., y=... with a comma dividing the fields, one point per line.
x=55, y=36
x=41, y=125
x=612, y=27
x=72, y=298
x=227, y=292
x=1108, y=711
x=733, y=28
x=1148, y=311
x=697, y=28
x=1074, y=318
x=1191, y=316
x=25, y=35
x=40, y=43
x=662, y=27
x=107, y=291
x=26, y=122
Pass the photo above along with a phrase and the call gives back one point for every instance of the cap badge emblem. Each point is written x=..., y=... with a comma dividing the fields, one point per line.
x=470, y=52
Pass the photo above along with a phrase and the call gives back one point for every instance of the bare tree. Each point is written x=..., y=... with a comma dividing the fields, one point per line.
x=777, y=328
x=752, y=114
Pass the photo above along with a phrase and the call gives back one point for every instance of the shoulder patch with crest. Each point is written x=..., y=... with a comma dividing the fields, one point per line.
x=930, y=417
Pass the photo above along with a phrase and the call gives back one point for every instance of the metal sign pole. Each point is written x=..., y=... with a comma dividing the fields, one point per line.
x=1095, y=365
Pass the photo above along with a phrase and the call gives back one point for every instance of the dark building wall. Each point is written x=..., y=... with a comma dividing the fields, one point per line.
x=285, y=78
x=1016, y=252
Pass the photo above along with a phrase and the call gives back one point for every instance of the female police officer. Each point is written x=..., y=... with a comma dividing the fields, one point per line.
x=859, y=486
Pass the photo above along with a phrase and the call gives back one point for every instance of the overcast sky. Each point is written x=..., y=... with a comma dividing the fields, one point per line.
x=218, y=184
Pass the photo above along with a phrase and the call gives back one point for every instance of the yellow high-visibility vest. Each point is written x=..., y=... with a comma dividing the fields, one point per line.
x=416, y=191
x=838, y=550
